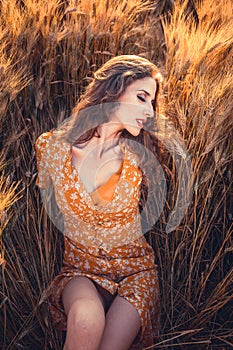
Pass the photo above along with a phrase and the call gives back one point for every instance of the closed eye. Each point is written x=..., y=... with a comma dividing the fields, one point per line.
x=141, y=98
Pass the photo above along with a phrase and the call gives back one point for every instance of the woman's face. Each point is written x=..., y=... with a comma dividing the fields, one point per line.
x=136, y=105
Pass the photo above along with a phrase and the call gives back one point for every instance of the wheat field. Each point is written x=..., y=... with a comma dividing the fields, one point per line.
x=48, y=51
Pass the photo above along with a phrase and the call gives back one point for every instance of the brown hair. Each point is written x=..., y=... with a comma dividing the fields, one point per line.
x=98, y=102
x=95, y=106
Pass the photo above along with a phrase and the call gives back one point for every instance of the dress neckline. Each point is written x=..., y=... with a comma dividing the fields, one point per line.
x=118, y=172
x=82, y=187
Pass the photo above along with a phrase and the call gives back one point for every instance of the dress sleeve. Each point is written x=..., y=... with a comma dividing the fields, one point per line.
x=42, y=160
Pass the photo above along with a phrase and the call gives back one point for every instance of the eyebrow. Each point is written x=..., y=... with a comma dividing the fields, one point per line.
x=146, y=92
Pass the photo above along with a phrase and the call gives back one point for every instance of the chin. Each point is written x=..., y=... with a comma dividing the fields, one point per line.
x=134, y=131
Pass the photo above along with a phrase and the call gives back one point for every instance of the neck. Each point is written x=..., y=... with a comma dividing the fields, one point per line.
x=109, y=131
x=109, y=135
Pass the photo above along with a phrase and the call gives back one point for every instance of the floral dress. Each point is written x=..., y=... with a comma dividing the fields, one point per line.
x=102, y=234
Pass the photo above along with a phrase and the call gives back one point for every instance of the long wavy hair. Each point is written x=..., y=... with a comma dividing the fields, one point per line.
x=99, y=101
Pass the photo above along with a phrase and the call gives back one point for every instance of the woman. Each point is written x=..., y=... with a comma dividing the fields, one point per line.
x=106, y=296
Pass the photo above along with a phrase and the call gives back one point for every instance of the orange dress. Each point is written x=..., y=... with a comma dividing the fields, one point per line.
x=103, y=235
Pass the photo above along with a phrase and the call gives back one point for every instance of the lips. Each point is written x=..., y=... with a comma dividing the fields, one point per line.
x=140, y=122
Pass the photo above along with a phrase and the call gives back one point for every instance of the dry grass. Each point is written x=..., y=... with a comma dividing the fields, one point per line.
x=48, y=50
x=8, y=197
x=199, y=99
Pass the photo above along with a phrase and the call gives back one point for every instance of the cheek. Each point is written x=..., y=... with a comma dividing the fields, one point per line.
x=132, y=109
x=128, y=111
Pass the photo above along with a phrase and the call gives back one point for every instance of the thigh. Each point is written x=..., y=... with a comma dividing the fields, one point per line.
x=142, y=291
x=85, y=314
x=80, y=288
x=122, y=325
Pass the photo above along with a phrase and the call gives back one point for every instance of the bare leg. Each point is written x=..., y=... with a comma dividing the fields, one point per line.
x=85, y=315
x=122, y=325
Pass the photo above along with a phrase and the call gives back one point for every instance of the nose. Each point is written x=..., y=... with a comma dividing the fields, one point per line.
x=149, y=111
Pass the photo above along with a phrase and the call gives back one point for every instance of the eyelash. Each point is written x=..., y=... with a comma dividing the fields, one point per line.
x=144, y=100
x=141, y=98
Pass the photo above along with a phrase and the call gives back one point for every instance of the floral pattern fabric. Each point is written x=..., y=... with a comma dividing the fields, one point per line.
x=103, y=236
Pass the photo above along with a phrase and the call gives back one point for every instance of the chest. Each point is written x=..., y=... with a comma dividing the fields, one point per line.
x=95, y=170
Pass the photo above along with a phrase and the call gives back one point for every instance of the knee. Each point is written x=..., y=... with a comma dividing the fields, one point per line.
x=87, y=317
